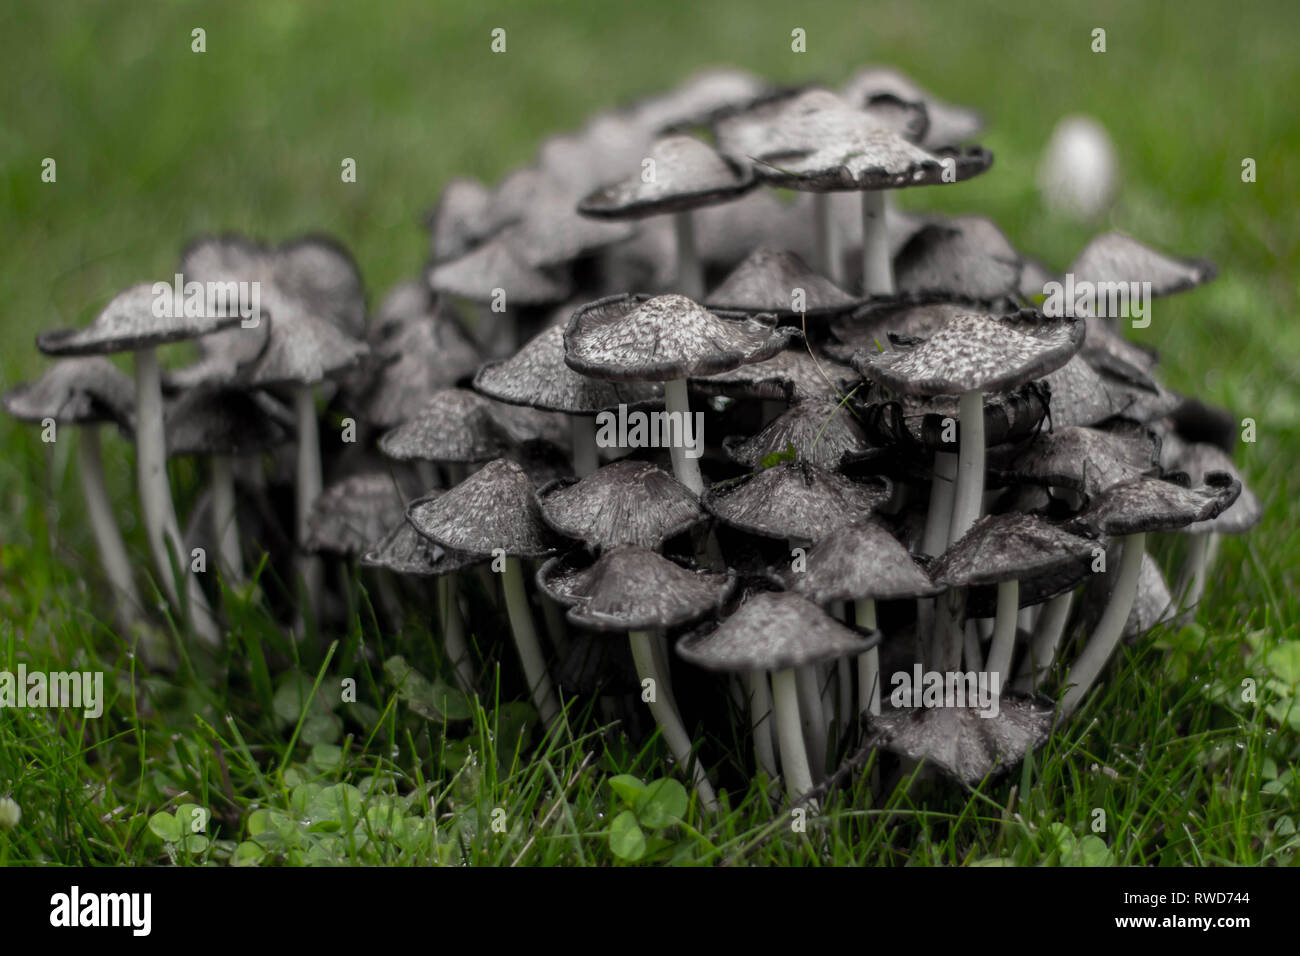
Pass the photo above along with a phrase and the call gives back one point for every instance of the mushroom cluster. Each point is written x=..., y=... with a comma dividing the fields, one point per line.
x=836, y=472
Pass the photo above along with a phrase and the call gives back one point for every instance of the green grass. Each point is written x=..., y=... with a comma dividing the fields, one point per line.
x=155, y=143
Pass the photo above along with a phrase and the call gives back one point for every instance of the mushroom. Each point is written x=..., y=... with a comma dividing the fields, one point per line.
x=820, y=432
x=1115, y=257
x=792, y=375
x=454, y=427
x=948, y=124
x=456, y=222
x=967, y=257
x=698, y=98
x=766, y=281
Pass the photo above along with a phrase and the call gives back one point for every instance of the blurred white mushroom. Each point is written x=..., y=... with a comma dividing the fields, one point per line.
x=1079, y=173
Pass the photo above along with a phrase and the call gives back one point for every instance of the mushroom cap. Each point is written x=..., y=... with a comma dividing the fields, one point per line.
x=949, y=124
x=128, y=323
x=972, y=351
x=626, y=503
x=870, y=159
x=1156, y=504
x=697, y=98
x=771, y=631
x=688, y=173
x=875, y=322
x=793, y=374
x=1115, y=257
x=457, y=221
x=455, y=425
x=351, y=516
x=1008, y=416
x=1200, y=459
x=1090, y=460
x=793, y=500
x=633, y=589
x=300, y=348
x=633, y=338
x=1016, y=547
x=537, y=376
x=968, y=256
x=765, y=282
x=821, y=432
x=223, y=421
x=406, y=551
x=492, y=508
x=1080, y=395
x=75, y=391
x=552, y=232
x=496, y=264
x=860, y=561
x=964, y=745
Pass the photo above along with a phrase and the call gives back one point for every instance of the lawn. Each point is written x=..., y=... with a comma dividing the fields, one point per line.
x=155, y=143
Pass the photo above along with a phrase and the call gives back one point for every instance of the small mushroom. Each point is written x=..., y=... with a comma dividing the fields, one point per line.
x=457, y=222
x=766, y=282
x=948, y=124
x=1115, y=257
x=820, y=432
x=967, y=257
x=1089, y=460
x=794, y=374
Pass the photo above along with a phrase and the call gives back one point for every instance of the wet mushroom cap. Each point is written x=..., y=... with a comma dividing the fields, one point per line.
x=688, y=173
x=821, y=432
x=1154, y=504
x=765, y=282
x=771, y=631
x=224, y=421
x=128, y=323
x=793, y=500
x=75, y=391
x=859, y=562
x=455, y=425
x=494, y=508
x=405, y=551
x=351, y=515
x=1115, y=257
x=625, y=503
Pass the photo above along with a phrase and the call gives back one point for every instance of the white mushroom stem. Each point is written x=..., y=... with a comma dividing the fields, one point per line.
x=1047, y=637
x=665, y=714
x=789, y=734
x=826, y=236
x=308, y=490
x=690, y=271
x=160, y=525
x=529, y=648
x=225, y=523
x=1191, y=583
x=760, y=720
x=677, y=402
x=108, y=538
x=1110, y=628
x=586, y=458
x=1004, y=631
x=868, y=662
x=877, y=270
x=969, y=492
x=813, y=719
x=452, y=627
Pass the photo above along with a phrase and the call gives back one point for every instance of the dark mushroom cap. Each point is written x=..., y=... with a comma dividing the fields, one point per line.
x=1016, y=547
x=1155, y=504
x=537, y=376
x=455, y=425
x=793, y=500
x=633, y=589
x=457, y=221
x=968, y=256
x=128, y=323
x=959, y=741
x=75, y=391
x=771, y=631
x=631, y=338
x=821, y=432
x=871, y=326
x=223, y=421
x=1008, y=416
x=496, y=264
x=1201, y=459
x=1090, y=460
x=352, y=515
x=697, y=98
x=406, y=551
x=1115, y=257
x=766, y=280
x=973, y=351
x=793, y=374
x=688, y=174
x=860, y=561
x=492, y=508
x=625, y=503
x=949, y=124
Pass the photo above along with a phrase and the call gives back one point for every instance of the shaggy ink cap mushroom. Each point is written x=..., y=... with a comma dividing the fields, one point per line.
x=128, y=324
x=968, y=256
x=455, y=425
x=860, y=561
x=765, y=282
x=351, y=515
x=89, y=390
x=688, y=174
x=794, y=500
x=821, y=433
x=492, y=508
x=1115, y=257
x=404, y=550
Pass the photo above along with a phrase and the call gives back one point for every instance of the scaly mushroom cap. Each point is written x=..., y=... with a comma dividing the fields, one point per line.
x=793, y=500
x=629, y=338
x=949, y=124
x=633, y=589
x=537, y=376
x=1115, y=257
x=624, y=504
x=973, y=351
x=405, y=551
x=455, y=425
x=967, y=256
x=792, y=375
x=496, y=264
x=75, y=391
x=697, y=98
x=351, y=515
x=1080, y=395
x=1090, y=460
x=128, y=323
x=859, y=562
x=224, y=421
x=457, y=221
x=492, y=508
x=1201, y=459
x=688, y=174
x=766, y=280
x=1154, y=504
x=772, y=631
x=821, y=432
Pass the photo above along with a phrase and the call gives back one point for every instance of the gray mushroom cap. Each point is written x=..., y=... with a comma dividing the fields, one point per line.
x=223, y=421
x=628, y=338
x=1090, y=460
x=537, y=376
x=1200, y=459
x=871, y=326
x=1016, y=547
x=949, y=124
x=633, y=589
x=300, y=348
x=967, y=256
x=766, y=280
x=1080, y=396
x=772, y=631
x=496, y=264
x=792, y=375
x=75, y=391
x=1155, y=504
x=959, y=741
x=623, y=504
x=457, y=221
x=697, y=98
x=128, y=323
x=793, y=500
x=821, y=432
x=552, y=232
x=455, y=425
x=1115, y=257
x=405, y=551
x=351, y=515
x=1008, y=416
x=688, y=174
x=492, y=508
x=858, y=562
x=974, y=351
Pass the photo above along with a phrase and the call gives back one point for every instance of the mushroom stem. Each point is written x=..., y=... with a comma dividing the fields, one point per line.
x=949, y=630
x=1191, y=583
x=826, y=236
x=161, y=527
x=309, y=488
x=665, y=714
x=868, y=662
x=677, y=402
x=225, y=523
x=935, y=538
x=813, y=718
x=690, y=271
x=971, y=647
x=877, y=270
x=1004, y=631
x=586, y=458
x=969, y=494
x=1110, y=628
x=760, y=716
x=108, y=538
x=1047, y=635
x=789, y=734
x=452, y=626
x=525, y=635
